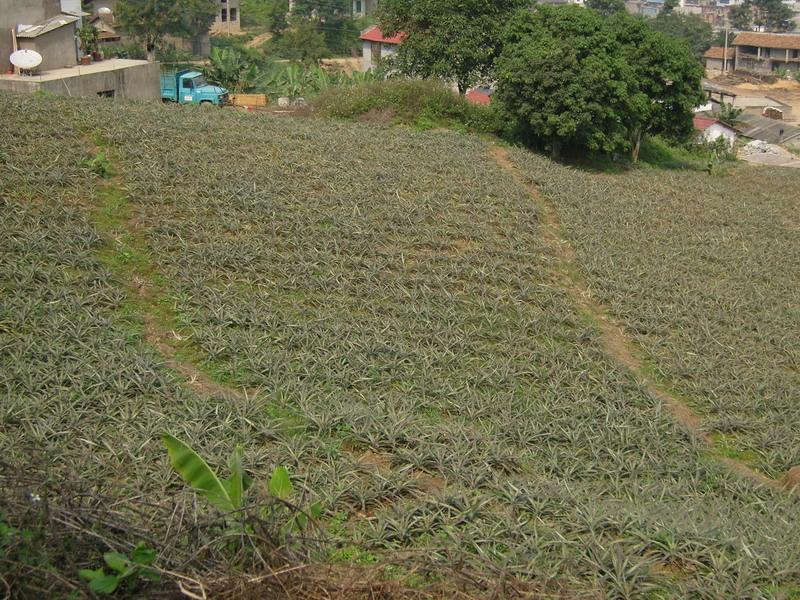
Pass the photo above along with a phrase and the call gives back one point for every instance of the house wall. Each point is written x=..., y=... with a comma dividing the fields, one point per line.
x=229, y=25
x=362, y=8
x=138, y=82
x=57, y=47
x=366, y=54
x=25, y=12
x=716, y=131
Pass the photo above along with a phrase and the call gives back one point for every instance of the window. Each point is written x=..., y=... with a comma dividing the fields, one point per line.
x=233, y=14
x=223, y=15
x=357, y=7
x=187, y=83
x=107, y=93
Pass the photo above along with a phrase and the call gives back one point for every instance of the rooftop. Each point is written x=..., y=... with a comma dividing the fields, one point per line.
x=768, y=130
x=718, y=52
x=112, y=64
x=702, y=122
x=784, y=41
x=33, y=31
x=374, y=34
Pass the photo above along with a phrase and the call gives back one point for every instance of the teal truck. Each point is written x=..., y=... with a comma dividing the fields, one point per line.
x=190, y=87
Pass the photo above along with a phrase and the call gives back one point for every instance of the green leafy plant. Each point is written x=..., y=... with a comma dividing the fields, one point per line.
x=228, y=495
x=88, y=37
x=99, y=165
x=225, y=494
x=729, y=114
x=232, y=70
x=123, y=568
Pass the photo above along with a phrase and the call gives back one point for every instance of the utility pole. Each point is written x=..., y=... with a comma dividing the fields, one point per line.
x=725, y=53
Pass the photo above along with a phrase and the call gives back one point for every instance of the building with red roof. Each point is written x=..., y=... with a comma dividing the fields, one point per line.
x=377, y=46
x=710, y=129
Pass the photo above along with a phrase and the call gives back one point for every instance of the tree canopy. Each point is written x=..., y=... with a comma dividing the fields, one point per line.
x=572, y=78
x=697, y=32
x=457, y=40
x=771, y=15
x=151, y=20
x=666, y=73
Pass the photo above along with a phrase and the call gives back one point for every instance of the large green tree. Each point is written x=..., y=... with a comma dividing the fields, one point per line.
x=572, y=78
x=563, y=78
x=666, y=74
x=457, y=40
x=150, y=20
x=697, y=32
x=770, y=15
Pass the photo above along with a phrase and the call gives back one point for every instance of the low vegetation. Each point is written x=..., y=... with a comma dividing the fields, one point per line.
x=379, y=312
x=702, y=270
x=421, y=104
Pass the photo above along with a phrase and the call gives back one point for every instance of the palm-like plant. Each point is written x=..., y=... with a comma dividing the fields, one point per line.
x=231, y=70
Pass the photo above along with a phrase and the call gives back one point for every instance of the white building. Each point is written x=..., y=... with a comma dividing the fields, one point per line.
x=377, y=47
x=710, y=129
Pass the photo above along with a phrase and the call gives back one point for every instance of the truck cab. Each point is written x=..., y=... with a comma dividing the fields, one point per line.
x=190, y=87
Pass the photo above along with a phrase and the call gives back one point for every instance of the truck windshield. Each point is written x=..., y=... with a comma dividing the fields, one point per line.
x=199, y=81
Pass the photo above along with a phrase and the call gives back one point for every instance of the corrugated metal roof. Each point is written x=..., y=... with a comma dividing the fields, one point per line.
x=784, y=41
x=51, y=24
x=768, y=130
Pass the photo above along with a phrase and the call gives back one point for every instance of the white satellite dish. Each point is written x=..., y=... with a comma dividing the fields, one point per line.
x=103, y=10
x=25, y=59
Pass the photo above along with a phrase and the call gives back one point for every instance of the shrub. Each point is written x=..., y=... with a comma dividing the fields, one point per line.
x=421, y=103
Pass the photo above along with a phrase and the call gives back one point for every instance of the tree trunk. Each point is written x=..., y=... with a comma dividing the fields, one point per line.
x=637, y=144
x=150, y=47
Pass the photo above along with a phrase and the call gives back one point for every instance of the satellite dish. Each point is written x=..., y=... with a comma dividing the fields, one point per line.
x=103, y=10
x=26, y=59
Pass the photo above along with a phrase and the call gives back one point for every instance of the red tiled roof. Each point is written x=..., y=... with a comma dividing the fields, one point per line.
x=784, y=41
x=701, y=123
x=718, y=51
x=374, y=34
x=478, y=97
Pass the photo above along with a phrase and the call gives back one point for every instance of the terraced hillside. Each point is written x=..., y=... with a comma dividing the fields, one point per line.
x=399, y=319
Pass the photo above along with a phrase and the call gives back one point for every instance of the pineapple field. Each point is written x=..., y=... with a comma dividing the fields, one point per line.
x=497, y=376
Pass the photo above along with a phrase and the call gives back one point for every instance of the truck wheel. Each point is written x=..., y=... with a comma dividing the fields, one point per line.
x=206, y=103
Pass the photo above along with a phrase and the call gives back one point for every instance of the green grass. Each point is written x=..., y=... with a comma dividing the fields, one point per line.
x=389, y=291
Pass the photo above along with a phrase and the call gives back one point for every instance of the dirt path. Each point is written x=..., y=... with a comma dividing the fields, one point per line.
x=113, y=219
x=613, y=339
x=258, y=40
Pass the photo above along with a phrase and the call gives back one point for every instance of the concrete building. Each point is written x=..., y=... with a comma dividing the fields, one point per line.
x=716, y=60
x=115, y=78
x=362, y=8
x=647, y=8
x=377, y=47
x=228, y=19
x=104, y=19
x=767, y=52
x=38, y=25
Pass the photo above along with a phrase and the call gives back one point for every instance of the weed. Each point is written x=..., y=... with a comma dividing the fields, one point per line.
x=126, y=570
